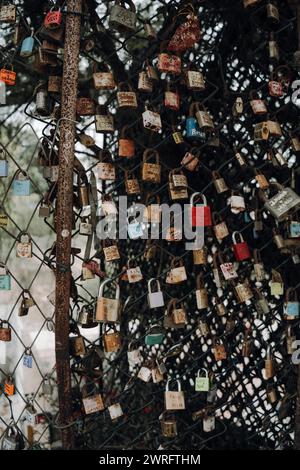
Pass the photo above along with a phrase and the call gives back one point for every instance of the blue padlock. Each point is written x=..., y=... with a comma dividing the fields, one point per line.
x=295, y=229
x=5, y=283
x=21, y=184
x=192, y=129
x=135, y=230
x=291, y=307
x=27, y=47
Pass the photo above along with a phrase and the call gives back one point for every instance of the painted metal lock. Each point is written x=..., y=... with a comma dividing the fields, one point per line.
x=295, y=229
x=152, y=120
x=228, y=271
x=92, y=404
x=27, y=47
x=291, y=305
x=8, y=13
x=122, y=19
x=271, y=393
x=203, y=328
x=12, y=439
x=258, y=106
x=53, y=19
x=172, y=100
x=201, y=214
x=190, y=161
x=177, y=193
x=8, y=76
x=115, y=411
x=28, y=359
x=202, y=383
x=3, y=164
x=275, y=88
x=134, y=274
x=174, y=400
x=155, y=299
x=5, y=279
x=31, y=414
x=240, y=249
x=169, y=63
x=219, y=350
x=192, y=129
x=237, y=203
x=9, y=386
x=276, y=284
x=126, y=98
x=108, y=309
x=21, y=184
x=24, y=246
x=282, y=203
x=5, y=331
x=155, y=335
x=135, y=230
x=177, y=137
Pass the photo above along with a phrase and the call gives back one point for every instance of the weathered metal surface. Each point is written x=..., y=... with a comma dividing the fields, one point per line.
x=64, y=216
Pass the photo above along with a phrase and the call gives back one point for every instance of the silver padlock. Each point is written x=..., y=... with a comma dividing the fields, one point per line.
x=155, y=299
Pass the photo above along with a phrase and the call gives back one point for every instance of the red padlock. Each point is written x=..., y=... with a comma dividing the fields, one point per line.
x=53, y=19
x=240, y=249
x=275, y=88
x=201, y=214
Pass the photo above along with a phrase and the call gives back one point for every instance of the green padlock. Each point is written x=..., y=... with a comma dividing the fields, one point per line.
x=202, y=382
x=155, y=335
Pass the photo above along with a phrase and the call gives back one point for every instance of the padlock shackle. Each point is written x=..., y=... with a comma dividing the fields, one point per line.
x=126, y=129
x=150, y=152
x=178, y=385
x=176, y=262
x=202, y=369
x=194, y=195
x=269, y=353
x=234, y=235
x=157, y=285
x=257, y=256
x=200, y=284
x=104, y=283
x=123, y=85
x=291, y=293
x=216, y=218
x=126, y=2
x=171, y=305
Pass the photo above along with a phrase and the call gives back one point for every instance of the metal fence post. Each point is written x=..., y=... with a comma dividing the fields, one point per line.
x=64, y=216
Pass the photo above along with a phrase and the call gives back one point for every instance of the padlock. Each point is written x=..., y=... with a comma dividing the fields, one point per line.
x=5, y=331
x=5, y=279
x=200, y=256
x=126, y=97
x=121, y=18
x=135, y=229
x=173, y=233
x=209, y=422
x=154, y=335
x=151, y=172
x=240, y=159
x=42, y=104
x=227, y=268
x=152, y=212
x=12, y=438
x=243, y=291
x=151, y=120
x=201, y=293
x=111, y=251
x=194, y=79
x=103, y=80
x=134, y=355
x=191, y=126
x=155, y=299
x=157, y=376
x=177, y=185
x=276, y=283
x=9, y=386
x=31, y=415
x=203, y=328
x=86, y=317
x=24, y=246
x=177, y=273
x=238, y=106
x=261, y=131
x=273, y=48
x=54, y=84
x=104, y=121
x=85, y=106
x=21, y=184
x=177, y=136
x=76, y=345
x=175, y=315
x=8, y=13
x=202, y=383
x=237, y=203
x=28, y=358
x=168, y=425
x=85, y=227
x=290, y=341
x=26, y=303
x=134, y=273
x=258, y=221
x=3, y=220
x=262, y=181
x=278, y=238
x=115, y=411
x=131, y=183
x=219, y=226
x=282, y=203
x=47, y=387
x=92, y=404
x=190, y=160
x=44, y=209
x=221, y=309
x=8, y=76
x=145, y=84
x=270, y=364
x=258, y=105
x=271, y=393
x=294, y=228
x=27, y=45
x=274, y=128
x=259, y=270
x=106, y=169
x=168, y=63
x=171, y=97
x=53, y=19
x=220, y=353
x=108, y=309
x=219, y=182
x=83, y=192
x=247, y=345
x=240, y=249
x=126, y=144
x=174, y=400
x=204, y=120
x=291, y=305
x=201, y=214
